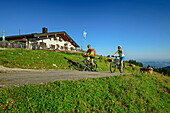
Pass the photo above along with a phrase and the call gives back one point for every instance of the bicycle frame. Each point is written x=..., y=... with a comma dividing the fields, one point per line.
x=89, y=60
x=117, y=60
x=116, y=63
x=88, y=64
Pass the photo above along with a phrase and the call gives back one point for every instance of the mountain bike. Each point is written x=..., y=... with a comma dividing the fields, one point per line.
x=87, y=65
x=116, y=64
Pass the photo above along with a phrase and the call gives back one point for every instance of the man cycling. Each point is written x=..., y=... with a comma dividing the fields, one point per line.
x=121, y=55
x=91, y=55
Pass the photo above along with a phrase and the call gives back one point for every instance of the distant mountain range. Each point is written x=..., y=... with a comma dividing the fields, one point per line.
x=157, y=64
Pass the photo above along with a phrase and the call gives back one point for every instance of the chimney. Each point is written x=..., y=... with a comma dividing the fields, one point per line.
x=44, y=30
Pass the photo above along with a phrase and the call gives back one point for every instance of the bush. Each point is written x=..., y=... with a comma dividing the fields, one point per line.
x=162, y=71
x=108, y=55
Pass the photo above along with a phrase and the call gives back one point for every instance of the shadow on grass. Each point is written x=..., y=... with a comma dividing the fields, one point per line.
x=72, y=63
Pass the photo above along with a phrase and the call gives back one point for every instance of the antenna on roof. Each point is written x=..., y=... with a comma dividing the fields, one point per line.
x=19, y=31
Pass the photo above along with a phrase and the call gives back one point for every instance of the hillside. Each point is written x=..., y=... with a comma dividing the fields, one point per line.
x=39, y=59
x=124, y=93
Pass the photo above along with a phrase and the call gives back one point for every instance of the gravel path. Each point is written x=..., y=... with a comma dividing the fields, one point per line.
x=17, y=77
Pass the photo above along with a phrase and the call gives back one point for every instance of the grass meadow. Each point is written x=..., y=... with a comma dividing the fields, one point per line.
x=136, y=92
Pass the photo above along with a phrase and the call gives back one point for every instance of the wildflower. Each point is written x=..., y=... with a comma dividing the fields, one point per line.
x=10, y=101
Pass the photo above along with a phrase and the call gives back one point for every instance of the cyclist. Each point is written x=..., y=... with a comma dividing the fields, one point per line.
x=121, y=55
x=91, y=53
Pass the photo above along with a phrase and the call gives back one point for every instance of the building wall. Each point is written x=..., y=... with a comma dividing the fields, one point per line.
x=54, y=42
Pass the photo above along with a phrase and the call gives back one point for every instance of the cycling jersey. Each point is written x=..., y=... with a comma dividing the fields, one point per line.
x=91, y=51
x=120, y=53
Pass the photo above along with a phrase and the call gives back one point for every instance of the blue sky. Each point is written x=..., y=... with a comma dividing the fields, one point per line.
x=141, y=27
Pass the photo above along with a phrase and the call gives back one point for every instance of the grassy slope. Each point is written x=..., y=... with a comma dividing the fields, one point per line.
x=124, y=93
x=44, y=60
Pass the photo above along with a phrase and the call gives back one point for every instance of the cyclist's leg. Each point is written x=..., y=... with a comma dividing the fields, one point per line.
x=88, y=58
x=121, y=61
x=92, y=60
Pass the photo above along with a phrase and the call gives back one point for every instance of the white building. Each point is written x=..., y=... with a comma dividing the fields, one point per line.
x=45, y=40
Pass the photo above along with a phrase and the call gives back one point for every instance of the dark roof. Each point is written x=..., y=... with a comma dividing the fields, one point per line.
x=62, y=34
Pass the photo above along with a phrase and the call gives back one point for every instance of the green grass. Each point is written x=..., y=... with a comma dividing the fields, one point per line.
x=124, y=93
x=39, y=59
x=29, y=59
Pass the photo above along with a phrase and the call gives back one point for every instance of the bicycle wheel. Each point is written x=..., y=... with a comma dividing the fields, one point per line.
x=94, y=68
x=113, y=67
x=81, y=66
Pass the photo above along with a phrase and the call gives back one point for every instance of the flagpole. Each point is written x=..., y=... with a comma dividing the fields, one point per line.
x=84, y=43
x=84, y=34
x=3, y=36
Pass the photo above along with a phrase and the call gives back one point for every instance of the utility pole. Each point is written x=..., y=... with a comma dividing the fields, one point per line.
x=19, y=31
x=3, y=36
x=84, y=34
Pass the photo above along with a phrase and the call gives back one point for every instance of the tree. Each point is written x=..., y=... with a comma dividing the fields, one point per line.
x=148, y=66
x=108, y=55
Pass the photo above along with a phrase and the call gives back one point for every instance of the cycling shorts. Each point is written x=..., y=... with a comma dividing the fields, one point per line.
x=122, y=58
x=92, y=57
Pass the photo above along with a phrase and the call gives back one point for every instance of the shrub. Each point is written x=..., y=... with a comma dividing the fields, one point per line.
x=162, y=71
